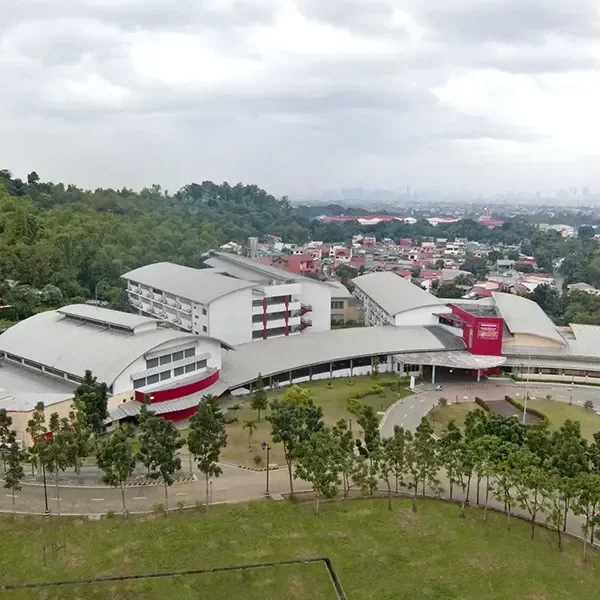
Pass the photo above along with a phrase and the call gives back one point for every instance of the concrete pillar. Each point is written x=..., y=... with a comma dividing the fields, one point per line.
x=478, y=375
x=351, y=367
x=310, y=373
x=433, y=375
x=330, y=370
x=291, y=377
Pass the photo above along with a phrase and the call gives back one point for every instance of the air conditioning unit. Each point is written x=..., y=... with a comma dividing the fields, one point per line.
x=177, y=305
x=163, y=314
x=149, y=295
x=188, y=310
x=177, y=320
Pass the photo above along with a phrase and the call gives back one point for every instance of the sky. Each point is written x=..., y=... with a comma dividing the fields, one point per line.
x=298, y=96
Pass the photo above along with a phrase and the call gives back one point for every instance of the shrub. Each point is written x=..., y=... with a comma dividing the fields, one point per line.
x=158, y=509
x=329, y=385
x=180, y=505
x=353, y=405
x=257, y=459
x=588, y=405
x=442, y=402
x=110, y=514
x=481, y=402
x=349, y=382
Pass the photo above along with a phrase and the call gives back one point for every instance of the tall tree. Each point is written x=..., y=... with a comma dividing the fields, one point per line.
x=59, y=450
x=318, y=463
x=116, y=460
x=251, y=427
x=159, y=445
x=369, y=422
x=5, y=434
x=293, y=420
x=392, y=461
x=91, y=400
x=259, y=400
x=207, y=437
x=345, y=448
x=14, y=473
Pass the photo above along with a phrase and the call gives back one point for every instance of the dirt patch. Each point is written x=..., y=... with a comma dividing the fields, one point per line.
x=482, y=563
x=127, y=559
x=338, y=534
x=74, y=556
x=537, y=597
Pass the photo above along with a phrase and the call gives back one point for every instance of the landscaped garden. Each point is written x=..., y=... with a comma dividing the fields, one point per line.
x=376, y=552
x=244, y=440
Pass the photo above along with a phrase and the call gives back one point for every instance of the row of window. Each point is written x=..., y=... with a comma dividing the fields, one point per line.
x=168, y=358
x=138, y=383
x=337, y=304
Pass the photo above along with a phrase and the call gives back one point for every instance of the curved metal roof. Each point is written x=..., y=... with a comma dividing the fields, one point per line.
x=74, y=346
x=198, y=285
x=277, y=355
x=525, y=317
x=394, y=293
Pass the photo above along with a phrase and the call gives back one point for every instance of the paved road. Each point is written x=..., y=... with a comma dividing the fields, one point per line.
x=238, y=485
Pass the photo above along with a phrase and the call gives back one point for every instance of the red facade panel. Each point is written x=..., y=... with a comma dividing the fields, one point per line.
x=181, y=391
x=481, y=334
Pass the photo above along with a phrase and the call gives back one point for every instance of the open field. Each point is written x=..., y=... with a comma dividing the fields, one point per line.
x=333, y=401
x=377, y=553
x=556, y=411
x=295, y=582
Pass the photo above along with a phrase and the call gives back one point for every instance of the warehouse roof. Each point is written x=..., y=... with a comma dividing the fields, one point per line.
x=393, y=293
x=282, y=354
x=252, y=270
x=525, y=317
x=199, y=285
x=21, y=389
x=73, y=346
x=106, y=316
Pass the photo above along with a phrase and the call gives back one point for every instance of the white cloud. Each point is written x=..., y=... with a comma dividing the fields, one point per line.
x=299, y=94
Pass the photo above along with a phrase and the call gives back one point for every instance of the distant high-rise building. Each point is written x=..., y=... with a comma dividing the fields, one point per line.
x=586, y=192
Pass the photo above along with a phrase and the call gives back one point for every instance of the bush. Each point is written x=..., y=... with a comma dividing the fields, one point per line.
x=349, y=382
x=257, y=459
x=481, y=402
x=329, y=385
x=588, y=405
x=353, y=405
x=110, y=514
x=180, y=505
x=531, y=411
x=159, y=509
x=442, y=402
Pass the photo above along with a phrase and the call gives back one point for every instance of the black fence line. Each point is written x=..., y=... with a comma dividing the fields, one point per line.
x=116, y=578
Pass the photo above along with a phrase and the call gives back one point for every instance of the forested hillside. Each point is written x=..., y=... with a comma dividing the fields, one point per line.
x=82, y=241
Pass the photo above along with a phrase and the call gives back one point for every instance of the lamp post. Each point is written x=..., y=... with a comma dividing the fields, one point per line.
x=525, y=407
x=45, y=489
x=266, y=447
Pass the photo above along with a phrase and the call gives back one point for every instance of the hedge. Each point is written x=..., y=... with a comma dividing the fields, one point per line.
x=521, y=407
x=481, y=402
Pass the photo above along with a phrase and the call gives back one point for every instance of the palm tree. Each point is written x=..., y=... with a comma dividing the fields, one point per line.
x=251, y=427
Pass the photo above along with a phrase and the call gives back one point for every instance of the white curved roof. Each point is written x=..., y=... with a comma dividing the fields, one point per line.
x=525, y=317
x=280, y=354
x=74, y=346
x=199, y=285
x=394, y=293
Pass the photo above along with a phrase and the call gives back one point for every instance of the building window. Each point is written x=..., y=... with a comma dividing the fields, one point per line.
x=190, y=352
x=204, y=328
x=152, y=379
x=201, y=364
x=335, y=304
x=138, y=383
x=190, y=368
x=178, y=371
x=204, y=312
x=177, y=356
x=165, y=375
x=151, y=363
x=165, y=359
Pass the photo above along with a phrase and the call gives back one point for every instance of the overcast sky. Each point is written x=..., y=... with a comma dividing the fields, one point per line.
x=301, y=95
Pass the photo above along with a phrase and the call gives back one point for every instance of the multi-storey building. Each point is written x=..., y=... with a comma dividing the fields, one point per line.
x=238, y=300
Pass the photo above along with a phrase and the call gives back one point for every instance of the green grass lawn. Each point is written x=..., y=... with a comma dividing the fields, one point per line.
x=270, y=583
x=440, y=416
x=557, y=413
x=333, y=401
x=377, y=553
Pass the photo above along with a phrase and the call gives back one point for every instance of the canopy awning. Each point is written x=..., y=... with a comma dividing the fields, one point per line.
x=452, y=359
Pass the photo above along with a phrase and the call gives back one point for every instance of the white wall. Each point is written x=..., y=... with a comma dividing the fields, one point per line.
x=230, y=317
x=123, y=383
x=424, y=315
x=318, y=295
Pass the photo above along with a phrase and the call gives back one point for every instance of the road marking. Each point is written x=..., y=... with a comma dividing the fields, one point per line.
x=405, y=415
x=97, y=499
x=10, y=496
x=54, y=498
x=139, y=497
x=181, y=494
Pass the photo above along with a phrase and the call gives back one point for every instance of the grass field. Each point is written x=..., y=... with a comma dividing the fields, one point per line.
x=556, y=411
x=332, y=400
x=377, y=553
x=270, y=583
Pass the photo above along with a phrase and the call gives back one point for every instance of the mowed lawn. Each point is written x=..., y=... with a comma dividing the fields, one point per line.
x=241, y=450
x=377, y=553
x=556, y=411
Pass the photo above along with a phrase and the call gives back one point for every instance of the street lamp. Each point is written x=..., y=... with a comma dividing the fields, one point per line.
x=525, y=407
x=266, y=447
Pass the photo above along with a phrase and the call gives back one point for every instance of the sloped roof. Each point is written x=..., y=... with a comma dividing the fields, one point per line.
x=73, y=346
x=199, y=285
x=393, y=293
x=282, y=354
x=525, y=317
